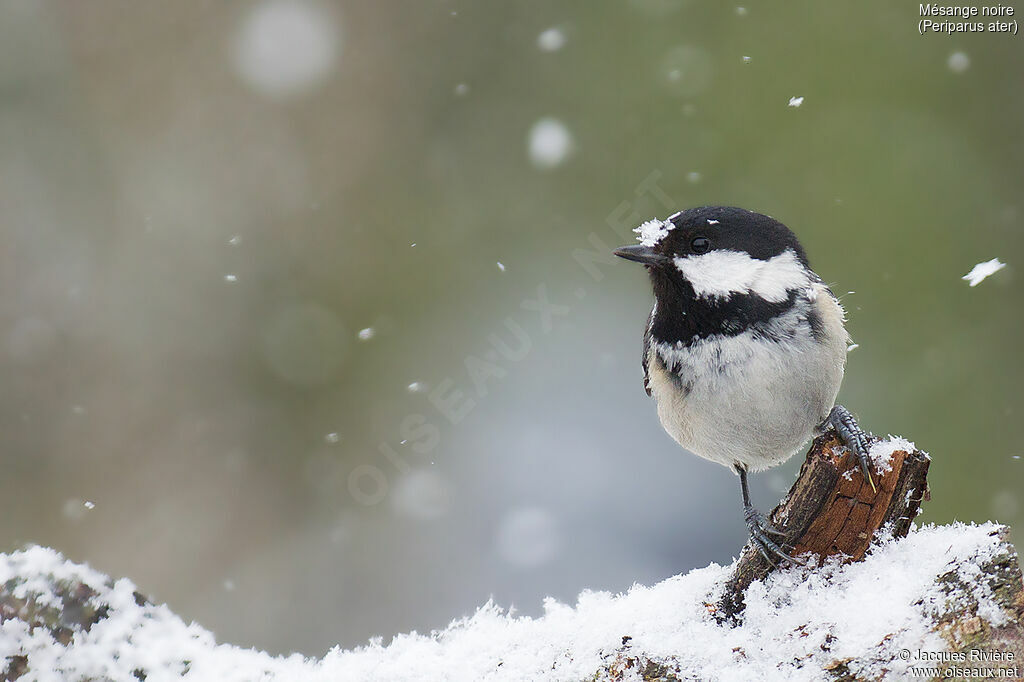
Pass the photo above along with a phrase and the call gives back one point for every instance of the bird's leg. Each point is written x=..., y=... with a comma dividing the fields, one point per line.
x=856, y=438
x=759, y=528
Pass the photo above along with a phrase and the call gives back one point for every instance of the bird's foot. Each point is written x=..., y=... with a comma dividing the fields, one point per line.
x=761, y=533
x=856, y=438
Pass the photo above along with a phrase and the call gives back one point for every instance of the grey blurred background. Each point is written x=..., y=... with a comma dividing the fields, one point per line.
x=248, y=249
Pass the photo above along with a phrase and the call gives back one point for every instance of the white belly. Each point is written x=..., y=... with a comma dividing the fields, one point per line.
x=750, y=402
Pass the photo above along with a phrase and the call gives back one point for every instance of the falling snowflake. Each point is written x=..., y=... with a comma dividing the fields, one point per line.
x=551, y=40
x=982, y=270
x=549, y=143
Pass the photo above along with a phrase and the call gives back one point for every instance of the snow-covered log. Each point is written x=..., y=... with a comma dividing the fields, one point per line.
x=832, y=510
x=940, y=602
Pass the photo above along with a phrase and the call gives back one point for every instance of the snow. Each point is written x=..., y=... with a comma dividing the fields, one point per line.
x=549, y=143
x=551, y=40
x=653, y=231
x=881, y=452
x=958, y=62
x=982, y=270
x=285, y=47
x=796, y=101
x=797, y=622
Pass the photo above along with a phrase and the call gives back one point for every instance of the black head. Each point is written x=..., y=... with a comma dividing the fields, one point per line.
x=696, y=231
x=718, y=269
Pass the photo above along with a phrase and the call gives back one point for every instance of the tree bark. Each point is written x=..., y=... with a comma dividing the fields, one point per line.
x=831, y=509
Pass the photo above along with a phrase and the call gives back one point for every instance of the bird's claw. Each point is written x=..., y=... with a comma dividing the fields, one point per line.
x=856, y=438
x=761, y=533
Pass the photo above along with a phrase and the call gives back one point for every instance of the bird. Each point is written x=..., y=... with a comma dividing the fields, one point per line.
x=745, y=346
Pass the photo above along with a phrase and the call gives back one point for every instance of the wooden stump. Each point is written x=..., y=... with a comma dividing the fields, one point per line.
x=832, y=510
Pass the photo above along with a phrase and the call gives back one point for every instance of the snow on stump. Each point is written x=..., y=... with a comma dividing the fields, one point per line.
x=831, y=510
x=940, y=601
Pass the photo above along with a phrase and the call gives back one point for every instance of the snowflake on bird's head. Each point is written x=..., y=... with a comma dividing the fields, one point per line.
x=653, y=231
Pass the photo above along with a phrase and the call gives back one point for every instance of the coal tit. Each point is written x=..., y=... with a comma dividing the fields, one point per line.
x=745, y=346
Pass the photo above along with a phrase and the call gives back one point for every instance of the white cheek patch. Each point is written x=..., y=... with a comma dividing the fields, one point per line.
x=653, y=231
x=724, y=273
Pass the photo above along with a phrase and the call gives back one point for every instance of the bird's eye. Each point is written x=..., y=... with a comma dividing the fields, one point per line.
x=700, y=245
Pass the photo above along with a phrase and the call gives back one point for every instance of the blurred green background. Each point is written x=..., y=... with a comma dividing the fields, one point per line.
x=249, y=248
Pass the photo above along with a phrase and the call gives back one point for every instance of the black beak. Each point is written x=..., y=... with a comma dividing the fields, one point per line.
x=640, y=254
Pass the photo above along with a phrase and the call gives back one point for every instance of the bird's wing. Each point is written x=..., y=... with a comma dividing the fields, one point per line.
x=647, y=352
x=839, y=305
